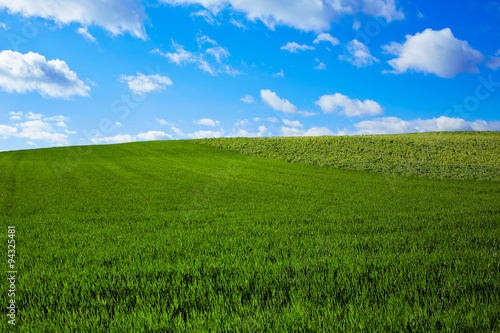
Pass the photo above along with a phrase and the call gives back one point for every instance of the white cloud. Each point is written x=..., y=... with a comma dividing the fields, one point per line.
x=218, y=52
x=358, y=54
x=39, y=130
x=437, y=52
x=281, y=73
x=206, y=15
x=237, y=23
x=293, y=47
x=3, y=26
x=321, y=66
x=269, y=119
x=143, y=84
x=292, y=123
x=343, y=105
x=118, y=124
x=119, y=138
x=393, y=125
x=86, y=34
x=116, y=16
x=21, y=73
x=313, y=131
x=181, y=56
x=205, y=134
x=242, y=123
x=261, y=131
x=326, y=37
x=247, y=99
x=177, y=131
x=6, y=131
x=163, y=122
x=306, y=15
x=37, y=127
x=35, y=116
x=153, y=135
x=15, y=115
x=122, y=138
x=493, y=62
x=207, y=122
x=283, y=105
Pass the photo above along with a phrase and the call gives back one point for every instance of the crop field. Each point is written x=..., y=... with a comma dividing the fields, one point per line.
x=180, y=236
x=461, y=155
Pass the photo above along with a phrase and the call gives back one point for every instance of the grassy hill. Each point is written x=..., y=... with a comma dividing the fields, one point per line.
x=180, y=236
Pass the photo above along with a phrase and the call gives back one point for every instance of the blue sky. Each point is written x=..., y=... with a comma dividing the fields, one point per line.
x=76, y=72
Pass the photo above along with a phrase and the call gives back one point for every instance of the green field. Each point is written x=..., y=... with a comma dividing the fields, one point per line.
x=181, y=236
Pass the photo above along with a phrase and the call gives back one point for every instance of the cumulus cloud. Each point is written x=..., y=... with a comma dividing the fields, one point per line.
x=437, y=52
x=292, y=123
x=122, y=138
x=37, y=127
x=207, y=122
x=143, y=84
x=116, y=16
x=358, y=54
x=313, y=131
x=205, y=134
x=21, y=73
x=343, y=105
x=247, y=99
x=293, y=47
x=282, y=105
x=393, y=125
x=326, y=37
x=301, y=14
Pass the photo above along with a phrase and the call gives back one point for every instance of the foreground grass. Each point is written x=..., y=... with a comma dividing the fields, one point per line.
x=461, y=155
x=178, y=236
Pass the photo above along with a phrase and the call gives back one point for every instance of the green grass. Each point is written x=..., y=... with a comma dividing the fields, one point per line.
x=180, y=236
x=461, y=155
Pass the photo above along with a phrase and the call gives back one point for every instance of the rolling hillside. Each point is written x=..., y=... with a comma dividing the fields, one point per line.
x=181, y=236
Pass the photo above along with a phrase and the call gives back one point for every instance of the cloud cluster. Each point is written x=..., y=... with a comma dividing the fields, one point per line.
x=116, y=16
x=34, y=126
x=436, y=52
x=393, y=125
x=282, y=105
x=343, y=105
x=304, y=15
x=313, y=131
x=143, y=84
x=122, y=138
x=21, y=73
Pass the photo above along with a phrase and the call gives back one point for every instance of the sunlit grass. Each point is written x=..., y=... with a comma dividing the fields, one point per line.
x=179, y=236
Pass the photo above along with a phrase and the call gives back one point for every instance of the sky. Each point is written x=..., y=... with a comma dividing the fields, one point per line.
x=80, y=72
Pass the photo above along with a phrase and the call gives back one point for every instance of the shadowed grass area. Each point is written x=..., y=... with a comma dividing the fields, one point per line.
x=461, y=155
x=179, y=236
